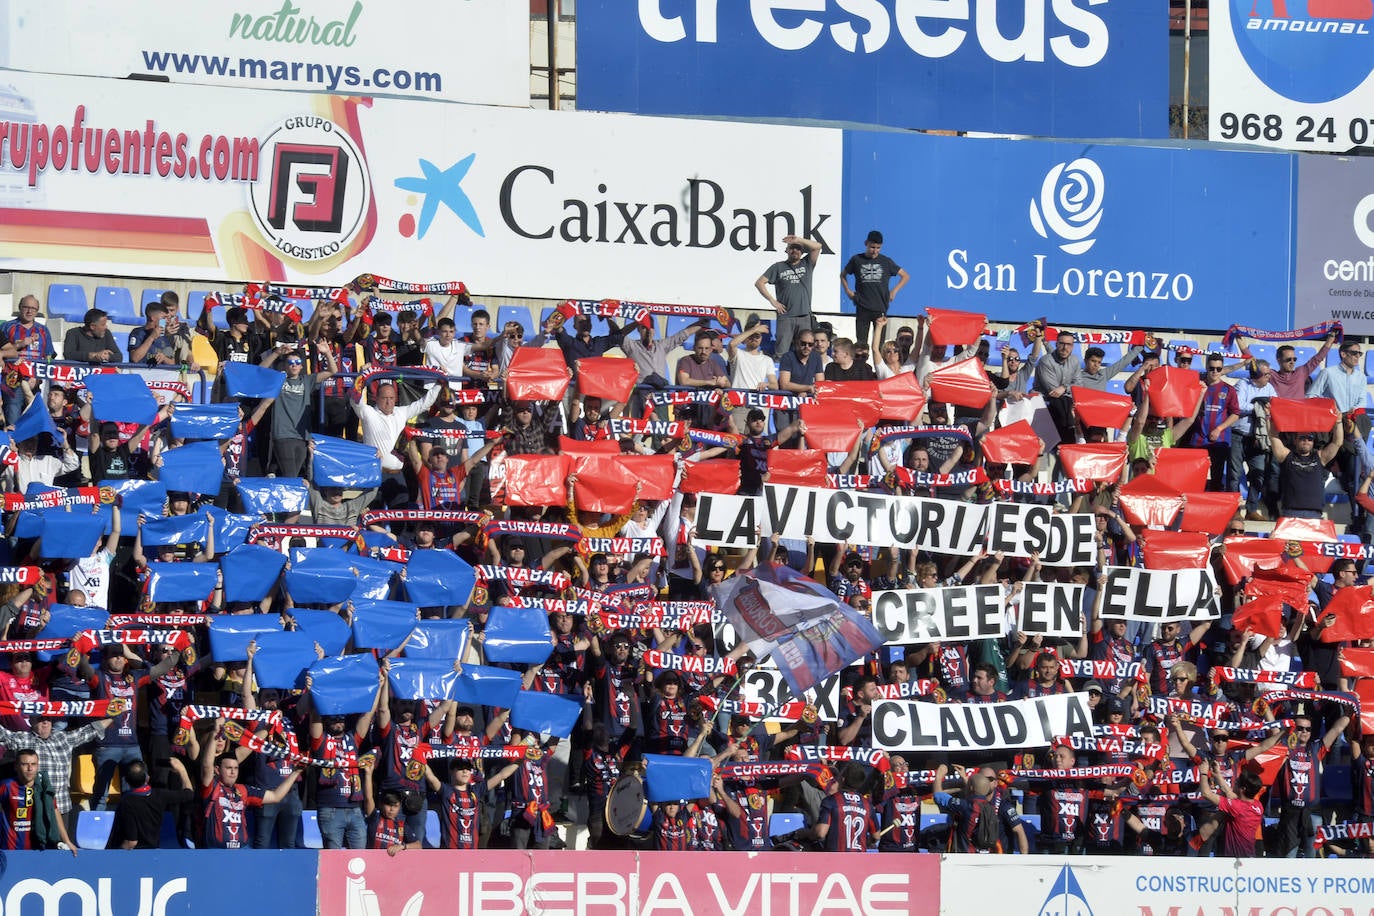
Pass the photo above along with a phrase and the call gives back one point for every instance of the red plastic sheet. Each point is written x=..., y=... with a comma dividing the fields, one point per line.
x=831, y=426
x=901, y=398
x=1014, y=444
x=716, y=475
x=951, y=328
x=1149, y=501
x=1174, y=392
x=804, y=467
x=537, y=374
x=537, y=480
x=603, y=484
x=1102, y=408
x=862, y=399
x=1261, y=615
x=1176, y=550
x=1209, y=512
x=655, y=474
x=1353, y=608
x=1308, y=415
x=609, y=377
x=964, y=383
x=595, y=447
x=1245, y=554
x=1184, y=469
x=1093, y=461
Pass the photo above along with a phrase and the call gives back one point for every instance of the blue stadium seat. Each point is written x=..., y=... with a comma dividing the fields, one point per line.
x=1267, y=352
x=311, y=824
x=517, y=313
x=1305, y=353
x=432, y=829
x=195, y=304
x=677, y=324
x=93, y=828
x=462, y=318
x=1183, y=342
x=994, y=351
x=150, y=295
x=930, y=820
x=167, y=836
x=118, y=301
x=779, y=824
x=307, y=307
x=67, y=301
x=1116, y=386
x=1369, y=366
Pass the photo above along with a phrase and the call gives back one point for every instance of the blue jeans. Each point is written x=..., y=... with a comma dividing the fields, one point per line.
x=342, y=828
x=106, y=758
x=285, y=818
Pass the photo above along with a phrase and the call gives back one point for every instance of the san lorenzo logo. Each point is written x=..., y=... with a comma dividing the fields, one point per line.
x=1070, y=205
x=312, y=197
x=1306, y=50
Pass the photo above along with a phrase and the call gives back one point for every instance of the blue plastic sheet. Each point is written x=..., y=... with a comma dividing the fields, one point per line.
x=340, y=686
x=250, y=572
x=669, y=778
x=138, y=497
x=205, y=421
x=321, y=575
x=445, y=639
x=340, y=463
x=262, y=495
x=65, y=621
x=325, y=627
x=36, y=420
x=518, y=634
x=181, y=581
x=282, y=660
x=483, y=685
x=231, y=530
x=422, y=679
x=546, y=713
x=70, y=535
x=382, y=624
x=245, y=380
x=121, y=398
x=177, y=529
x=195, y=468
x=230, y=634
x=438, y=578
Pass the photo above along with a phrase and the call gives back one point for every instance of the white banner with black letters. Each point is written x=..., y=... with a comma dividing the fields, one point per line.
x=904, y=725
x=882, y=520
x=953, y=614
x=1159, y=594
x=1050, y=609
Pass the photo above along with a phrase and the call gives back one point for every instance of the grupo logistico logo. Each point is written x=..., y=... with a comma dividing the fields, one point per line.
x=312, y=192
x=1070, y=205
x=1306, y=50
x=1068, y=210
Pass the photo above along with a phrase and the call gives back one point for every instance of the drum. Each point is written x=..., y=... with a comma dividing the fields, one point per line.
x=627, y=813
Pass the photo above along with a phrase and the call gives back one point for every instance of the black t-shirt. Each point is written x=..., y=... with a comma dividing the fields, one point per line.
x=872, y=277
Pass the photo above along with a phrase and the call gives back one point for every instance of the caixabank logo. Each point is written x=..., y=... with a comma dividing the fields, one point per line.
x=312, y=192
x=1306, y=50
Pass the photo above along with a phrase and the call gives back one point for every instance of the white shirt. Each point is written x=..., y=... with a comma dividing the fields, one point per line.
x=91, y=575
x=750, y=370
x=381, y=430
x=448, y=358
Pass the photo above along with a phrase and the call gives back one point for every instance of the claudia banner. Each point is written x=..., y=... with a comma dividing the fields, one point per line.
x=357, y=883
x=1296, y=74
x=1043, y=67
x=881, y=520
x=900, y=725
x=1152, y=886
x=1333, y=277
x=400, y=48
x=309, y=189
x=1088, y=234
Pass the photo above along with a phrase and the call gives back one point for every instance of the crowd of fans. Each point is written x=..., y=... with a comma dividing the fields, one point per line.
x=1191, y=785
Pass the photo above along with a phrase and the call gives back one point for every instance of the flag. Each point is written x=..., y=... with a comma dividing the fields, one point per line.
x=831, y=426
x=442, y=639
x=1093, y=460
x=422, y=679
x=517, y=634
x=205, y=421
x=1184, y=469
x=1353, y=608
x=1262, y=615
x=863, y=399
x=1208, y=512
x=324, y=575
x=803, y=626
x=1308, y=415
x=195, y=468
x=231, y=530
x=715, y=475
x=537, y=480
x=796, y=467
x=383, y=624
x=483, y=685
x=71, y=535
x=181, y=581
x=1173, y=392
x=669, y=778
x=901, y=398
x=655, y=473
x=176, y=529
x=230, y=634
x=282, y=660
x=951, y=328
x=1176, y=549
x=245, y=380
x=138, y=497
x=1149, y=501
x=1105, y=409
x=604, y=484
x=964, y=383
x=340, y=463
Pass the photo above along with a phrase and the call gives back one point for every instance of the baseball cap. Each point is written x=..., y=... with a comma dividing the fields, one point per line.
x=1093, y=687
x=108, y=430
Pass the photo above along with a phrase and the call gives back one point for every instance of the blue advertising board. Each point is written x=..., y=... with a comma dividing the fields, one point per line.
x=162, y=882
x=1132, y=236
x=1054, y=68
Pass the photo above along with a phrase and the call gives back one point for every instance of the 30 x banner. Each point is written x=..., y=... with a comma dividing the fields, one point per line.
x=880, y=520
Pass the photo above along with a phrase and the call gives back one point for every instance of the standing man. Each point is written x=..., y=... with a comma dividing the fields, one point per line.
x=1344, y=383
x=872, y=272
x=1055, y=375
x=1212, y=429
x=23, y=337
x=791, y=280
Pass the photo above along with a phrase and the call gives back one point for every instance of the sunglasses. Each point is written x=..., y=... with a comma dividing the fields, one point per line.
x=1235, y=530
x=295, y=362
x=1352, y=353
x=717, y=569
x=1216, y=738
x=1289, y=359
x=806, y=343
x=1302, y=728
x=1179, y=680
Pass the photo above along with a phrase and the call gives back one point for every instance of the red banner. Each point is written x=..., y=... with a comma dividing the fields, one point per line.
x=1147, y=500
x=537, y=480
x=1209, y=512
x=1356, y=662
x=719, y=475
x=603, y=484
x=1014, y=444
x=1106, y=409
x=964, y=384
x=1262, y=615
x=796, y=467
x=1184, y=469
x=537, y=374
x=902, y=398
x=1244, y=554
x=609, y=377
x=654, y=473
x=831, y=427
x=1306, y=415
x=1176, y=549
x=356, y=881
x=1094, y=461
x=1173, y=392
x=861, y=398
x=1353, y=608
x=950, y=328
